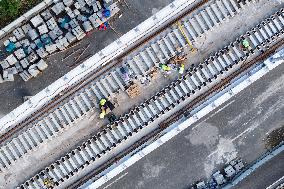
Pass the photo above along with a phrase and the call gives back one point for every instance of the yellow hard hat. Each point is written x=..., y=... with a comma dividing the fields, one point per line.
x=102, y=101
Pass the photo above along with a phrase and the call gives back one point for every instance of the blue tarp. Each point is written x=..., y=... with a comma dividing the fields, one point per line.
x=10, y=47
x=46, y=40
x=106, y=13
x=65, y=21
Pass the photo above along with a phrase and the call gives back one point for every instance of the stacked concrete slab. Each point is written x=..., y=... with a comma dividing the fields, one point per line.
x=55, y=28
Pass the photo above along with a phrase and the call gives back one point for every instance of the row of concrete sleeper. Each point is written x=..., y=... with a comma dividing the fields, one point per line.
x=158, y=105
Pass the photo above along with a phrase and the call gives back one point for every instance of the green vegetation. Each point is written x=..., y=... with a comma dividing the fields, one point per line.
x=12, y=9
x=9, y=9
x=275, y=137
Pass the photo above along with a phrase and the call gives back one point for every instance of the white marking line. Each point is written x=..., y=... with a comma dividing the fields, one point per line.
x=115, y=180
x=271, y=186
x=242, y=133
x=212, y=153
x=222, y=108
x=214, y=113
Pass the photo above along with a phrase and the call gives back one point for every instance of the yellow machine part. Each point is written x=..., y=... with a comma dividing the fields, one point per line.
x=185, y=36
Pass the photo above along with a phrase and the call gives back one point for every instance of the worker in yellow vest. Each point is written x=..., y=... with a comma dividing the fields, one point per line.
x=106, y=107
x=181, y=69
x=165, y=67
x=103, y=111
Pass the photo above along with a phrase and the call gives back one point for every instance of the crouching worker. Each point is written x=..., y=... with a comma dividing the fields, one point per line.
x=246, y=45
x=106, y=107
x=181, y=69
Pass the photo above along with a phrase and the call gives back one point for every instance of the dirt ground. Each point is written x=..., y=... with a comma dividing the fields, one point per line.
x=275, y=137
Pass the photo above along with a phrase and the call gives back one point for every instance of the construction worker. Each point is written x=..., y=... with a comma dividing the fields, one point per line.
x=246, y=44
x=106, y=107
x=165, y=67
x=48, y=183
x=181, y=69
x=102, y=106
x=103, y=26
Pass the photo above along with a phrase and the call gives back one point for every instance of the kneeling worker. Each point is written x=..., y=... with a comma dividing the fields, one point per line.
x=106, y=107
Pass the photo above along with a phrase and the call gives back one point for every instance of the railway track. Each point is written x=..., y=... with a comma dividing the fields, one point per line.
x=90, y=78
x=159, y=49
x=181, y=92
x=95, y=174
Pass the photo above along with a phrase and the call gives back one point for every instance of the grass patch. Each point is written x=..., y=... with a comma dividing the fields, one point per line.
x=12, y=9
x=275, y=137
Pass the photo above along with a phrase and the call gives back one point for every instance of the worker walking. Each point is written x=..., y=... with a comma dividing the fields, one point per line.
x=102, y=107
x=181, y=69
x=103, y=26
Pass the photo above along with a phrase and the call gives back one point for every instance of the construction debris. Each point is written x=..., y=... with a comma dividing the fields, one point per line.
x=133, y=90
